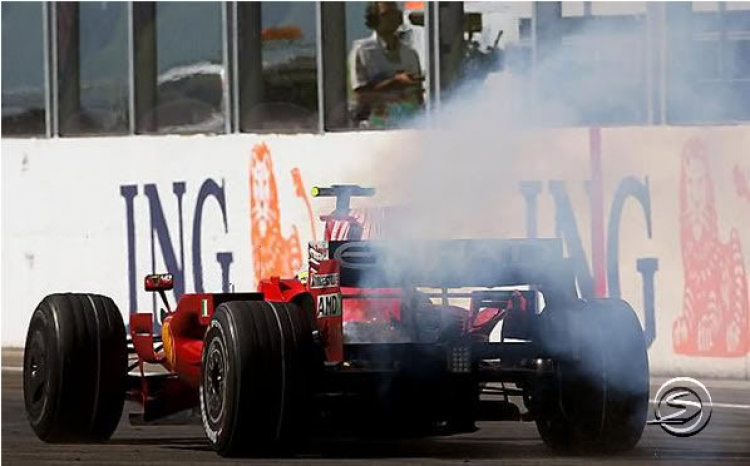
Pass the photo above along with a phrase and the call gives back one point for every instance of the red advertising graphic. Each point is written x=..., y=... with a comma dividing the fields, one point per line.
x=714, y=320
x=273, y=254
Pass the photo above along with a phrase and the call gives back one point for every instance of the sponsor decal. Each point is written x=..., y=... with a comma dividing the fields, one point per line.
x=169, y=238
x=274, y=255
x=329, y=305
x=682, y=407
x=356, y=255
x=318, y=252
x=714, y=320
x=324, y=280
x=168, y=344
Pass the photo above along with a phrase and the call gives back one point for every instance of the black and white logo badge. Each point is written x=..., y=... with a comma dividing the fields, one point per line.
x=329, y=305
x=682, y=407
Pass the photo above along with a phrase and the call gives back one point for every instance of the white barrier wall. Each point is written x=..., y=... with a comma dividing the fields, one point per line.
x=96, y=215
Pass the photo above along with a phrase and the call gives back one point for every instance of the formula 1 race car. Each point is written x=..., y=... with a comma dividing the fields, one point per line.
x=372, y=338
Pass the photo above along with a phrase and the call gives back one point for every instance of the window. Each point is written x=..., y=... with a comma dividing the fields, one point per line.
x=192, y=78
x=709, y=75
x=591, y=69
x=573, y=9
x=280, y=70
x=23, y=88
x=604, y=87
x=618, y=8
x=738, y=6
x=501, y=38
x=374, y=96
x=602, y=8
x=491, y=30
x=737, y=57
x=705, y=6
x=98, y=72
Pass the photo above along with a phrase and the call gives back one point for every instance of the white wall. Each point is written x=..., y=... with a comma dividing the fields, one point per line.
x=64, y=222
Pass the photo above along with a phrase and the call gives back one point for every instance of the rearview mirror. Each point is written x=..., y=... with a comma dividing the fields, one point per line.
x=159, y=282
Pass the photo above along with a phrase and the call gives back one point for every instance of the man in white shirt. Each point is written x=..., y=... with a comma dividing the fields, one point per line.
x=385, y=72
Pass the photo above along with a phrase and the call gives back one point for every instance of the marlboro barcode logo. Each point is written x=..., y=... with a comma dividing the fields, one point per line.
x=324, y=280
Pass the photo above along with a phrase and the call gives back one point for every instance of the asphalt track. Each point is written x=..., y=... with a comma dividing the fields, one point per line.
x=726, y=439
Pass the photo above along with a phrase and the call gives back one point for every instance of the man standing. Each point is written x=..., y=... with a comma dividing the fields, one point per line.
x=385, y=72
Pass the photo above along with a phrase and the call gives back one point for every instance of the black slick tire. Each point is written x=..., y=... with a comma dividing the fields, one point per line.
x=74, y=369
x=257, y=373
x=601, y=399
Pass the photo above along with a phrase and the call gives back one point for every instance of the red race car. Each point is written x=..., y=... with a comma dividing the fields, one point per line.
x=370, y=338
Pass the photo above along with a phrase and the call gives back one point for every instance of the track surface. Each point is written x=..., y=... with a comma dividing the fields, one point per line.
x=726, y=439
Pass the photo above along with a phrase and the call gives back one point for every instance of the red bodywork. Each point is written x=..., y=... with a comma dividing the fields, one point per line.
x=183, y=328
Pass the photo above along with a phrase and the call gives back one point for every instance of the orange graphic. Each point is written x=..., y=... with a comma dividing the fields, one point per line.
x=714, y=320
x=281, y=33
x=273, y=255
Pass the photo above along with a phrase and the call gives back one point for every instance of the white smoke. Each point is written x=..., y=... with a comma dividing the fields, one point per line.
x=455, y=176
x=466, y=159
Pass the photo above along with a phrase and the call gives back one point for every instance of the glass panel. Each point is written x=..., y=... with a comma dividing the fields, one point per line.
x=496, y=39
x=709, y=81
x=519, y=9
x=497, y=33
x=385, y=69
x=705, y=6
x=23, y=100
x=617, y=8
x=191, y=75
x=289, y=95
x=707, y=53
x=572, y=9
x=738, y=6
x=103, y=69
x=737, y=57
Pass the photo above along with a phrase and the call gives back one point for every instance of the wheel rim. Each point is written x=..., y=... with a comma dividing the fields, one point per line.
x=36, y=375
x=215, y=380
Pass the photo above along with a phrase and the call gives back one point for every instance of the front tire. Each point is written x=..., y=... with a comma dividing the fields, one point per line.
x=74, y=368
x=600, y=402
x=256, y=376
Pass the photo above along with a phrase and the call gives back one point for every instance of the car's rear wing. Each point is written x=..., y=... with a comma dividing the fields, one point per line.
x=450, y=263
x=343, y=194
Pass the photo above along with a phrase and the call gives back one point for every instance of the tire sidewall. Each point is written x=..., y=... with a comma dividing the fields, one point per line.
x=268, y=351
x=218, y=431
x=85, y=362
x=42, y=327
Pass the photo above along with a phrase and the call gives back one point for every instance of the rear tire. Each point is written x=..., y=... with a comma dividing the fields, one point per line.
x=600, y=402
x=74, y=368
x=257, y=372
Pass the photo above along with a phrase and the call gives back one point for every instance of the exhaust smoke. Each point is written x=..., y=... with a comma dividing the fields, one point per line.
x=458, y=174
